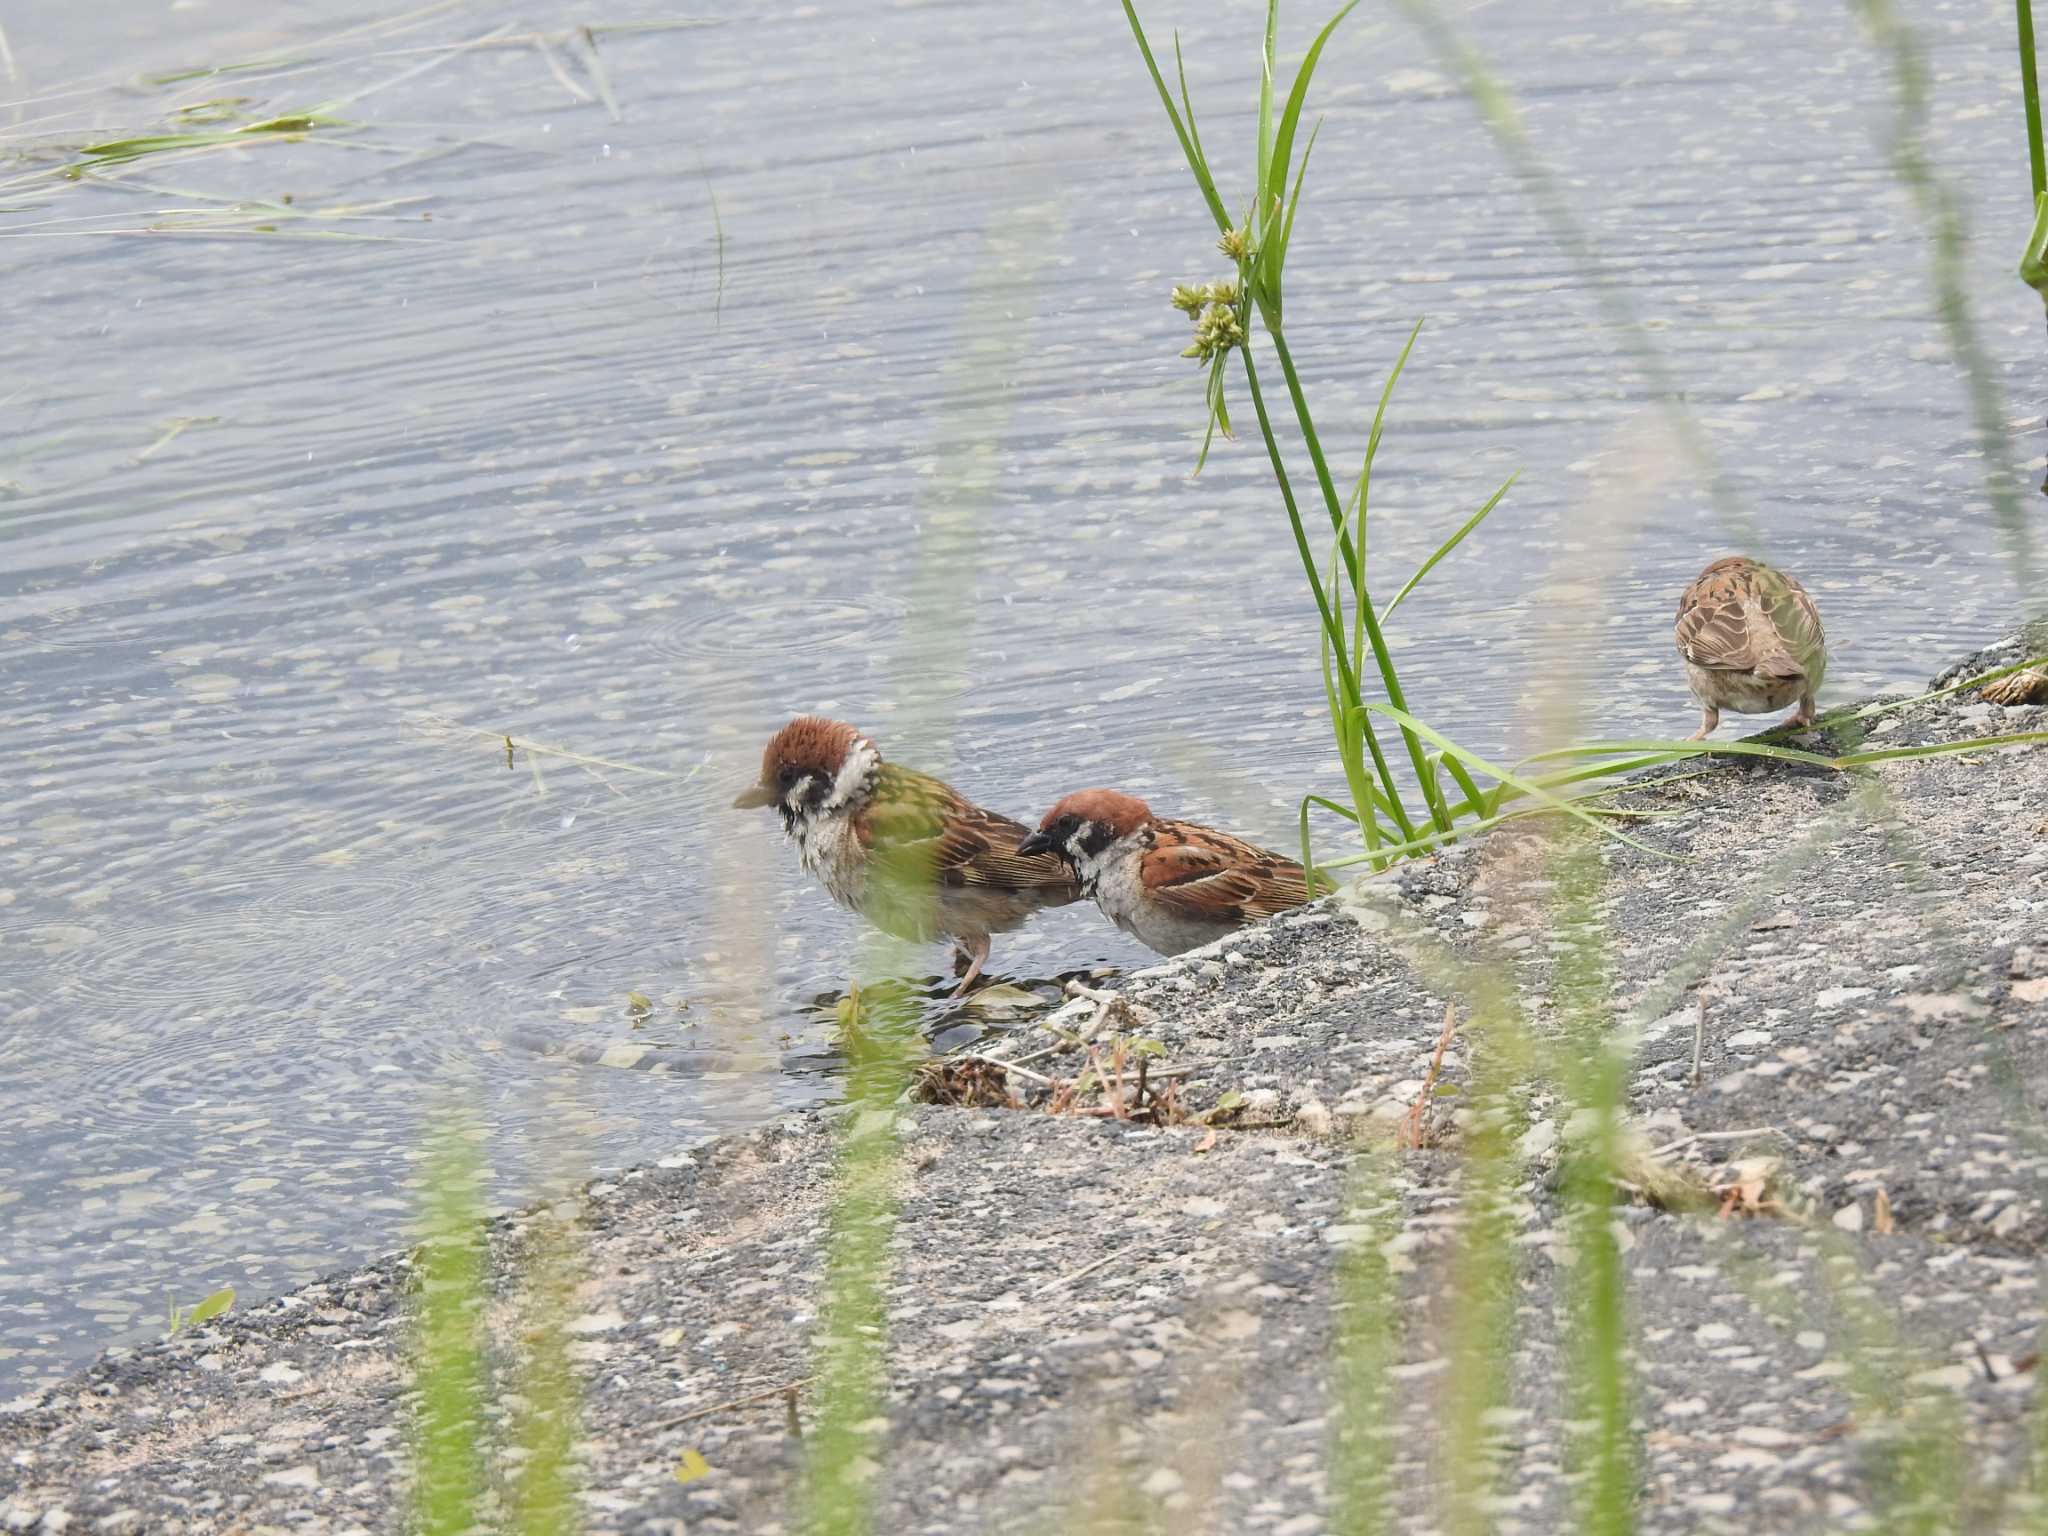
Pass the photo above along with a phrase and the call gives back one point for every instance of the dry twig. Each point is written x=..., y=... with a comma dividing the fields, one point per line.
x=1411, y=1127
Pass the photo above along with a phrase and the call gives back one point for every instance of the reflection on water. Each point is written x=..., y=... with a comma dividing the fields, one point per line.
x=496, y=428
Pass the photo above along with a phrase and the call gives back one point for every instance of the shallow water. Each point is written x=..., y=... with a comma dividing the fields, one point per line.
x=297, y=526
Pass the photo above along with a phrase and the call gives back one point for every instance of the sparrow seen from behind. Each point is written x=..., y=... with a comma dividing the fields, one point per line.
x=1172, y=885
x=1752, y=642
x=912, y=855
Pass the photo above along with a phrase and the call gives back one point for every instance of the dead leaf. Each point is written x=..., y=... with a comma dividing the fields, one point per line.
x=1207, y=1142
x=1881, y=1221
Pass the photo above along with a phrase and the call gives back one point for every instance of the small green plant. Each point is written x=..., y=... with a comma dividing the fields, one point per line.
x=178, y=1318
x=1455, y=803
x=1224, y=313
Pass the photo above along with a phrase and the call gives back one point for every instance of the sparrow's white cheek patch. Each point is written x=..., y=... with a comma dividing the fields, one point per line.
x=853, y=775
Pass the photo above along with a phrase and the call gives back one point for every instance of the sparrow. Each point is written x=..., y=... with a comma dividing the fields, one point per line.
x=1172, y=885
x=913, y=856
x=2028, y=687
x=1752, y=642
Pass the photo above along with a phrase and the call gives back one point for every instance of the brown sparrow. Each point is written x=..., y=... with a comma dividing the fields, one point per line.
x=1172, y=885
x=849, y=811
x=1752, y=642
x=2028, y=687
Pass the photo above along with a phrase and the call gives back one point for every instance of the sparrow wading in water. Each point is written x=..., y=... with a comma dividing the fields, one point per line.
x=909, y=853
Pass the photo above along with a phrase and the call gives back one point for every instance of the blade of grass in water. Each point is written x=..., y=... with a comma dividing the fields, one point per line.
x=289, y=128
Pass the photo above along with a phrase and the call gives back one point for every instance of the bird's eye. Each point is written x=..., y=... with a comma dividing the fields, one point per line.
x=786, y=777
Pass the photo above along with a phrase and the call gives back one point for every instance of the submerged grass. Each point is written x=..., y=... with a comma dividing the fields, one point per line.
x=194, y=120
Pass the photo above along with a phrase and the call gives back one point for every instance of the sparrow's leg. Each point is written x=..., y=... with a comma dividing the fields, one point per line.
x=975, y=952
x=1710, y=719
x=1802, y=716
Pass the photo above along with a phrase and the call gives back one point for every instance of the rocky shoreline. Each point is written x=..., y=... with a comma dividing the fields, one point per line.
x=1839, y=1007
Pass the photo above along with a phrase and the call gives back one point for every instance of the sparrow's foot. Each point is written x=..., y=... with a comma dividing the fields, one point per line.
x=1798, y=720
x=1710, y=720
x=974, y=954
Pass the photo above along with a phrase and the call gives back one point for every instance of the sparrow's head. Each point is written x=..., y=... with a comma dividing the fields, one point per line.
x=811, y=765
x=1085, y=823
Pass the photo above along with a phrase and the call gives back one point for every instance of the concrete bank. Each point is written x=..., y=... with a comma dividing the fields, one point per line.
x=1840, y=1012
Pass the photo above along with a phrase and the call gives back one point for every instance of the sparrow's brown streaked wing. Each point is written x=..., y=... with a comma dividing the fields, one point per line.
x=1713, y=626
x=1742, y=616
x=1796, y=620
x=924, y=820
x=1212, y=876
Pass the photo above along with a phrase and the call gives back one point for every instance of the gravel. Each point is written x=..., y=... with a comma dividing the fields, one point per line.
x=1838, y=1004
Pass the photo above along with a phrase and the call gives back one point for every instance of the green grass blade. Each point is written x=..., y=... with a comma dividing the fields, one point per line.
x=2030, y=88
x=546, y=1406
x=1349, y=690
x=1674, y=750
x=1195, y=161
x=1382, y=657
x=1328, y=805
x=1464, y=780
x=1603, y=1450
x=1187, y=101
x=1414, y=727
x=1369, y=1329
x=1290, y=118
x=1272, y=256
x=1352, y=744
x=1218, y=414
x=1379, y=419
x=1681, y=749
x=448, y=1467
x=1941, y=749
x=1361, y=493
x=1450, y=544
x=1890, y=706
x=1261, y=188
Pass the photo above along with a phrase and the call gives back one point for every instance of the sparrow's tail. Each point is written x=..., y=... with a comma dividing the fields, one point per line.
x=1780, y=663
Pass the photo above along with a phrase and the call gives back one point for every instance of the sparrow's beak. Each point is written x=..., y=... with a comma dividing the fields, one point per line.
x=753, y=796
x=1037, y=842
